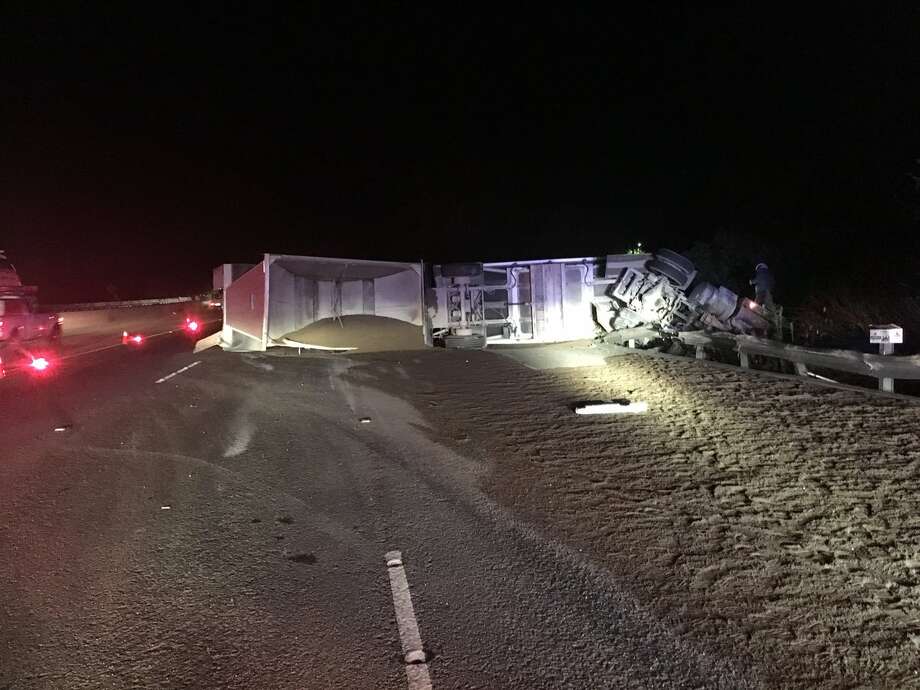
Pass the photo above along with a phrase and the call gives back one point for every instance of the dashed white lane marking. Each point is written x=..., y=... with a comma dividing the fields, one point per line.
x=416, y=669
x=418, y=677
x=176, y=373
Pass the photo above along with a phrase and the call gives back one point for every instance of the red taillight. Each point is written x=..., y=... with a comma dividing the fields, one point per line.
x=192, y=326
x=137, y=339
x=39, y=364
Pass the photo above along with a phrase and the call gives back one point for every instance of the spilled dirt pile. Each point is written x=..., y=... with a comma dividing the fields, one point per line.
x=363, y=332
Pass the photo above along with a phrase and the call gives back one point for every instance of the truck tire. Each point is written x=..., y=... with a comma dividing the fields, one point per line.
x=679, y=260
x=461, y=270
x=464, y=342
x=54, y=337
x=674, y=274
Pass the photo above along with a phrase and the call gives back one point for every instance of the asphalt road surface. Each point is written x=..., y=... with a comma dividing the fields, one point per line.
x=228, y=527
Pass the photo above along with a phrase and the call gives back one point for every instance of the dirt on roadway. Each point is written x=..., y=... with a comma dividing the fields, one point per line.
x=772, y=520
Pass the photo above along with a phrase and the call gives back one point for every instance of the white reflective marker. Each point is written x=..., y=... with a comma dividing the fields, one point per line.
x=416, y=669
x=613, y=408
x=175, y=373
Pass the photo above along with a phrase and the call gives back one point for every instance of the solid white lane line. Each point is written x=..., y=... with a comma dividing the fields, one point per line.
x=416, y=670
x=175, y=373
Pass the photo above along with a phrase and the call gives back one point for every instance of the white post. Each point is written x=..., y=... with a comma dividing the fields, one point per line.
x=886, y=335
x=886, y=384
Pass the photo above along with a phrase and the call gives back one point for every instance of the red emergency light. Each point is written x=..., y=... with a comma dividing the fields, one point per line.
x=39, y=364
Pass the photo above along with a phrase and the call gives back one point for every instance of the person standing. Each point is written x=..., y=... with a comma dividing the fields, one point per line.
x=763, y=285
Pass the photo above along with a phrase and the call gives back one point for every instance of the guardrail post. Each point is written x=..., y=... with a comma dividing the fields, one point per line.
x=745, y=362
x=886, y=384
x=700, y=352
x=801, y=369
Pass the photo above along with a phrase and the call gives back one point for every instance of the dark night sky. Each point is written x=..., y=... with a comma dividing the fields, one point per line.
x=140, y=151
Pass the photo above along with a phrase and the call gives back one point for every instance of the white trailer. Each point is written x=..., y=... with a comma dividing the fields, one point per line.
x=284, y=293
x=540, y=301
x=464, y=305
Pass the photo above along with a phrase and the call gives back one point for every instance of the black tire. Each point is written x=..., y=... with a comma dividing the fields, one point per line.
x=679, y=260
x=680, y=265
x=13, y=351
x=465, y=342
x=673, y=273
x=54, y=339
x=461, y=270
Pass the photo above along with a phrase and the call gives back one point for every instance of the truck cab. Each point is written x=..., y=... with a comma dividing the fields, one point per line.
x=19, y=320
x=8, y=275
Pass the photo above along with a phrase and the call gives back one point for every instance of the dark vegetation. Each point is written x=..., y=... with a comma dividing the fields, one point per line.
x=832, y=284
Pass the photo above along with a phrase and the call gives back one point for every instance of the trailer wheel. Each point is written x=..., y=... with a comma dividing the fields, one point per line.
x=461, y=270
x=465, y=342
x=675, y=274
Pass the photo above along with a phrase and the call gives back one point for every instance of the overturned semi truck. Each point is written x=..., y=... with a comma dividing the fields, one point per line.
x=659, y=294
x=287, y=300
x=667, y=294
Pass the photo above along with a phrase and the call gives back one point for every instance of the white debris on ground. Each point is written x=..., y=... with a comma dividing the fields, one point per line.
x=616, y=407
x=210, y=341
x=771, y=519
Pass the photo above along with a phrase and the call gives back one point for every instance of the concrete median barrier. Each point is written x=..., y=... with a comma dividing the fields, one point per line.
x=85, y=331
x=117, y=320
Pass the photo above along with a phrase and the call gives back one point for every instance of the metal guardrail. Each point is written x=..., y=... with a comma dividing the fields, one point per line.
x=886, y=368
x=127, y=304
